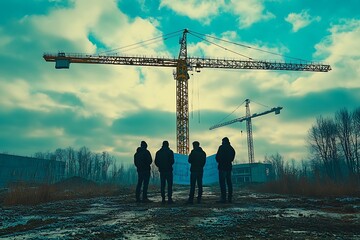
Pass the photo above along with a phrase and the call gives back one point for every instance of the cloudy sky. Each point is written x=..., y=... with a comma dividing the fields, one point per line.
x=112, y=108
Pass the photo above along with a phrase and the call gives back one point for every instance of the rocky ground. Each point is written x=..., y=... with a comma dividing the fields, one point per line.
x=251, y=215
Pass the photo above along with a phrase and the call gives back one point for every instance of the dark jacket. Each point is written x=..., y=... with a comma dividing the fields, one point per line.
x=224, y=156
x=164, y=159
x=197, y=159
x=142, y=159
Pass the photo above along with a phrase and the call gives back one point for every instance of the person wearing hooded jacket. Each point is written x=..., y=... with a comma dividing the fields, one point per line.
x=224, y=157
x=197, y=159
x=142, y=161
x=164, y=160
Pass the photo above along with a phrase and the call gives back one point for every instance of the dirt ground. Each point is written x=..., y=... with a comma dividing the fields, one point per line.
x=250, y=216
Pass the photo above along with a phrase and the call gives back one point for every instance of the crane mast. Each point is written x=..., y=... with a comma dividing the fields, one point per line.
x=182, y=99
x=249, y=132
x=182, y=64
x=248, y=118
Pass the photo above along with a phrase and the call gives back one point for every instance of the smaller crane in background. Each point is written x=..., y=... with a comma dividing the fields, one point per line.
x=248, y=118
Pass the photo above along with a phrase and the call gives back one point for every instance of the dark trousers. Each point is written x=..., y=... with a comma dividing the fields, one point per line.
x=166, y=177
x=196, y=177
x=143, y=180
x=225, y=179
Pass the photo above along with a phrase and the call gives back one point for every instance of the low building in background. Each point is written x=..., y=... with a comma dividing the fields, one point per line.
x=27, y=169
x=252, y=173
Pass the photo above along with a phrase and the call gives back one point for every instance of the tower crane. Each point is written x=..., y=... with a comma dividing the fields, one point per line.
x=248, y=118
x=183, y=64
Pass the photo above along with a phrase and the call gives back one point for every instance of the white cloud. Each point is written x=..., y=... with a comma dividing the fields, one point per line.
x=221, y=88
x=20, y=94
x=72, y=24
x=220, y=83
x=234, y=51
x=340, y=50
x=106, y=90
x=101, y=18
x=195, y=9
x=301, y=20
x=112, y=91
x=4, y=40
x=248, y=12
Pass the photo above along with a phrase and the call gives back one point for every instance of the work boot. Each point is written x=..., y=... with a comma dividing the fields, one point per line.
x=222, y=200
x=230, y=200
x=163, y=201
x=170, y=201
x=199, y=200
x=138, y=200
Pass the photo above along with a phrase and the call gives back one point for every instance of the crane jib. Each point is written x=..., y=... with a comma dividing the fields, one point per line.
x=276, y=110
x=62, y=61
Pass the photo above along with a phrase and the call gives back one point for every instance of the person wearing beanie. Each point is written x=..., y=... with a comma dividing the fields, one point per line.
x=142, y=161
x=224, y=157
x=197, y=159
x=164, y=160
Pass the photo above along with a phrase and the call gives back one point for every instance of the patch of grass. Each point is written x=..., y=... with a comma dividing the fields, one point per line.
x=27, y=194
x=307, y=188
x=30, y=194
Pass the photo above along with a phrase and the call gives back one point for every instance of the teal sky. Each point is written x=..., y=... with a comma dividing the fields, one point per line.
x=112, y=108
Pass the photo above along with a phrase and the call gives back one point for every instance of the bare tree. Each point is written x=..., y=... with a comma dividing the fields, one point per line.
x=323, y=146
x=106, y=161
x=155, y=174
x=346, y=134
x=94, y=166
x=97, y=167
x=71, y=162
x=84, y=158
x=356, y=139
x=60, y=155
x=43, y=155
x=304, y=170
x=121, y=173
x=277, y=161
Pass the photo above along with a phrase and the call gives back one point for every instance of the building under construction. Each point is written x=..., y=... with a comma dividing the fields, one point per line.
x=252, y=173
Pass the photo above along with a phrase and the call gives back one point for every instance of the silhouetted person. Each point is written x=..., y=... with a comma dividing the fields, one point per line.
x=197, y=159
x=224, y=157
x=142, y=161
x=164, y=160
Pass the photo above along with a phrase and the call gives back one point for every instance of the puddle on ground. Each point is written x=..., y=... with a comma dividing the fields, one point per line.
x=145, y=234
x=18, y=220
x=219, y=221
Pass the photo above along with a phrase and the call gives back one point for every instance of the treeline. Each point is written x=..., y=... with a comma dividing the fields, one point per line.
x=334, y=150
x=333, y=166
x=334, y=144
x=99, y=167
